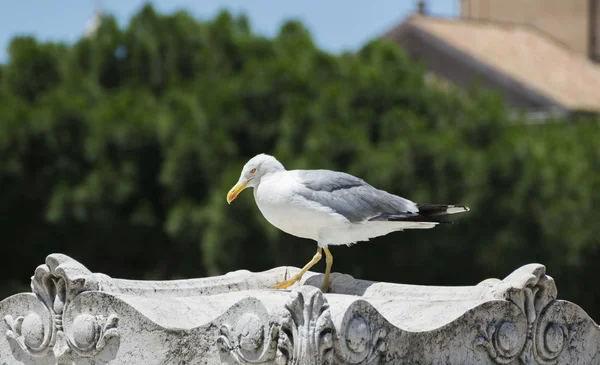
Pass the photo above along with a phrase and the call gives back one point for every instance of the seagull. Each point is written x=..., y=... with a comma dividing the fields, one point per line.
x=330, y=207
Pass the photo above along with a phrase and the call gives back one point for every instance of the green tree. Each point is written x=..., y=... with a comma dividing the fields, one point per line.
x=119, y=149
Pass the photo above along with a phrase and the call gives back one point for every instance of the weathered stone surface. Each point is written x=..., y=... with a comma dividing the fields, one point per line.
x=74, y=316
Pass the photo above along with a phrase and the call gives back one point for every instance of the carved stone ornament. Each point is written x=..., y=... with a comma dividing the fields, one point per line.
x=534, y=293
x=40, y=333
x=306, y=333
x=74, y=316
x=302, y=334
x=363, y=335
x=248, y=341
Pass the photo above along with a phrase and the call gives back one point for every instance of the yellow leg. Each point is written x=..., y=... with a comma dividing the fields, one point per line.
x=329, y=262
x=298, y=276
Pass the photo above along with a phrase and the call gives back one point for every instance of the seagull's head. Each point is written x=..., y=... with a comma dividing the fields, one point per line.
x=257, y=167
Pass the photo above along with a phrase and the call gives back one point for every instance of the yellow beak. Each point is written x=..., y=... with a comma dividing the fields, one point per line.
x=233, y=193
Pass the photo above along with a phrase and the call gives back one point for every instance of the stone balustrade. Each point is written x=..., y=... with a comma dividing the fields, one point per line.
x=74, y=316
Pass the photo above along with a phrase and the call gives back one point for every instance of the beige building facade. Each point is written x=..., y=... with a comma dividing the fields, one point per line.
x=542, y=55
x=575, y=23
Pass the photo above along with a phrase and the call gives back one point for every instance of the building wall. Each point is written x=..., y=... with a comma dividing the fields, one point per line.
x=566, y=20
x=595, y=30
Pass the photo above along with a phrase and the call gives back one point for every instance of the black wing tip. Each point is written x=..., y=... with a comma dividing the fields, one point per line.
x=429, y=210
x=409, y=217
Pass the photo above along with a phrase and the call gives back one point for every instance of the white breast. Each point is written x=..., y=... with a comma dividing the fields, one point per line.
x=289, y=212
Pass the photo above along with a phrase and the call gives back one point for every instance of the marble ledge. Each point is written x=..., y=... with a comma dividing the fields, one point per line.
x=74, y=316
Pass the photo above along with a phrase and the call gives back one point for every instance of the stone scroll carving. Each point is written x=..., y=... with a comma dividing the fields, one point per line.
x=534, y=293
x=249, y=338
x=41, y=333
x=363, y=335
x=303, y=333
x=503, y=339
x=73, y=316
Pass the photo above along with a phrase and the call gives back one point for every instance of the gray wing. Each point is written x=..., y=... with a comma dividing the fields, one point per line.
x=352, y=197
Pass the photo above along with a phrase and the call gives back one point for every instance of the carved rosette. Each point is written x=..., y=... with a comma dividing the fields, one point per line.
x=503, y=339
x=56, y=284
x=534, y=293
x=31, y=332
x=249, y=340
x=362, y=336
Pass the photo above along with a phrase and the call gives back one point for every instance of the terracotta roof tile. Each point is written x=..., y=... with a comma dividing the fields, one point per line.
x=525, y=55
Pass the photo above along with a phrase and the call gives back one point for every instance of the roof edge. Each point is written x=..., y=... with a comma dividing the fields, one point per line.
x=510, y=83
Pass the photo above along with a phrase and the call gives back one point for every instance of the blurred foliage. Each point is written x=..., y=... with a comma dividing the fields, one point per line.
x=119, y=150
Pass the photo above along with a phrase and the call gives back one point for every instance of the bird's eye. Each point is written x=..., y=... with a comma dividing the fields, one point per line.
x=253, y=170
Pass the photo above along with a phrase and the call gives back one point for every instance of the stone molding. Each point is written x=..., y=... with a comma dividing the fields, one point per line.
x=74, y=316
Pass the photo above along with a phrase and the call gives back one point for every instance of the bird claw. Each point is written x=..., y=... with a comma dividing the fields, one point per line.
x=285, y=284
x=293, y=280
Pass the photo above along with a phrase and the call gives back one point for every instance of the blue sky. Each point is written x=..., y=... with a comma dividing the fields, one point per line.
x=335, y=24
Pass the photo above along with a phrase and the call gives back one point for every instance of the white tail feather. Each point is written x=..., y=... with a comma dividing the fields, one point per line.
x=453, y=209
